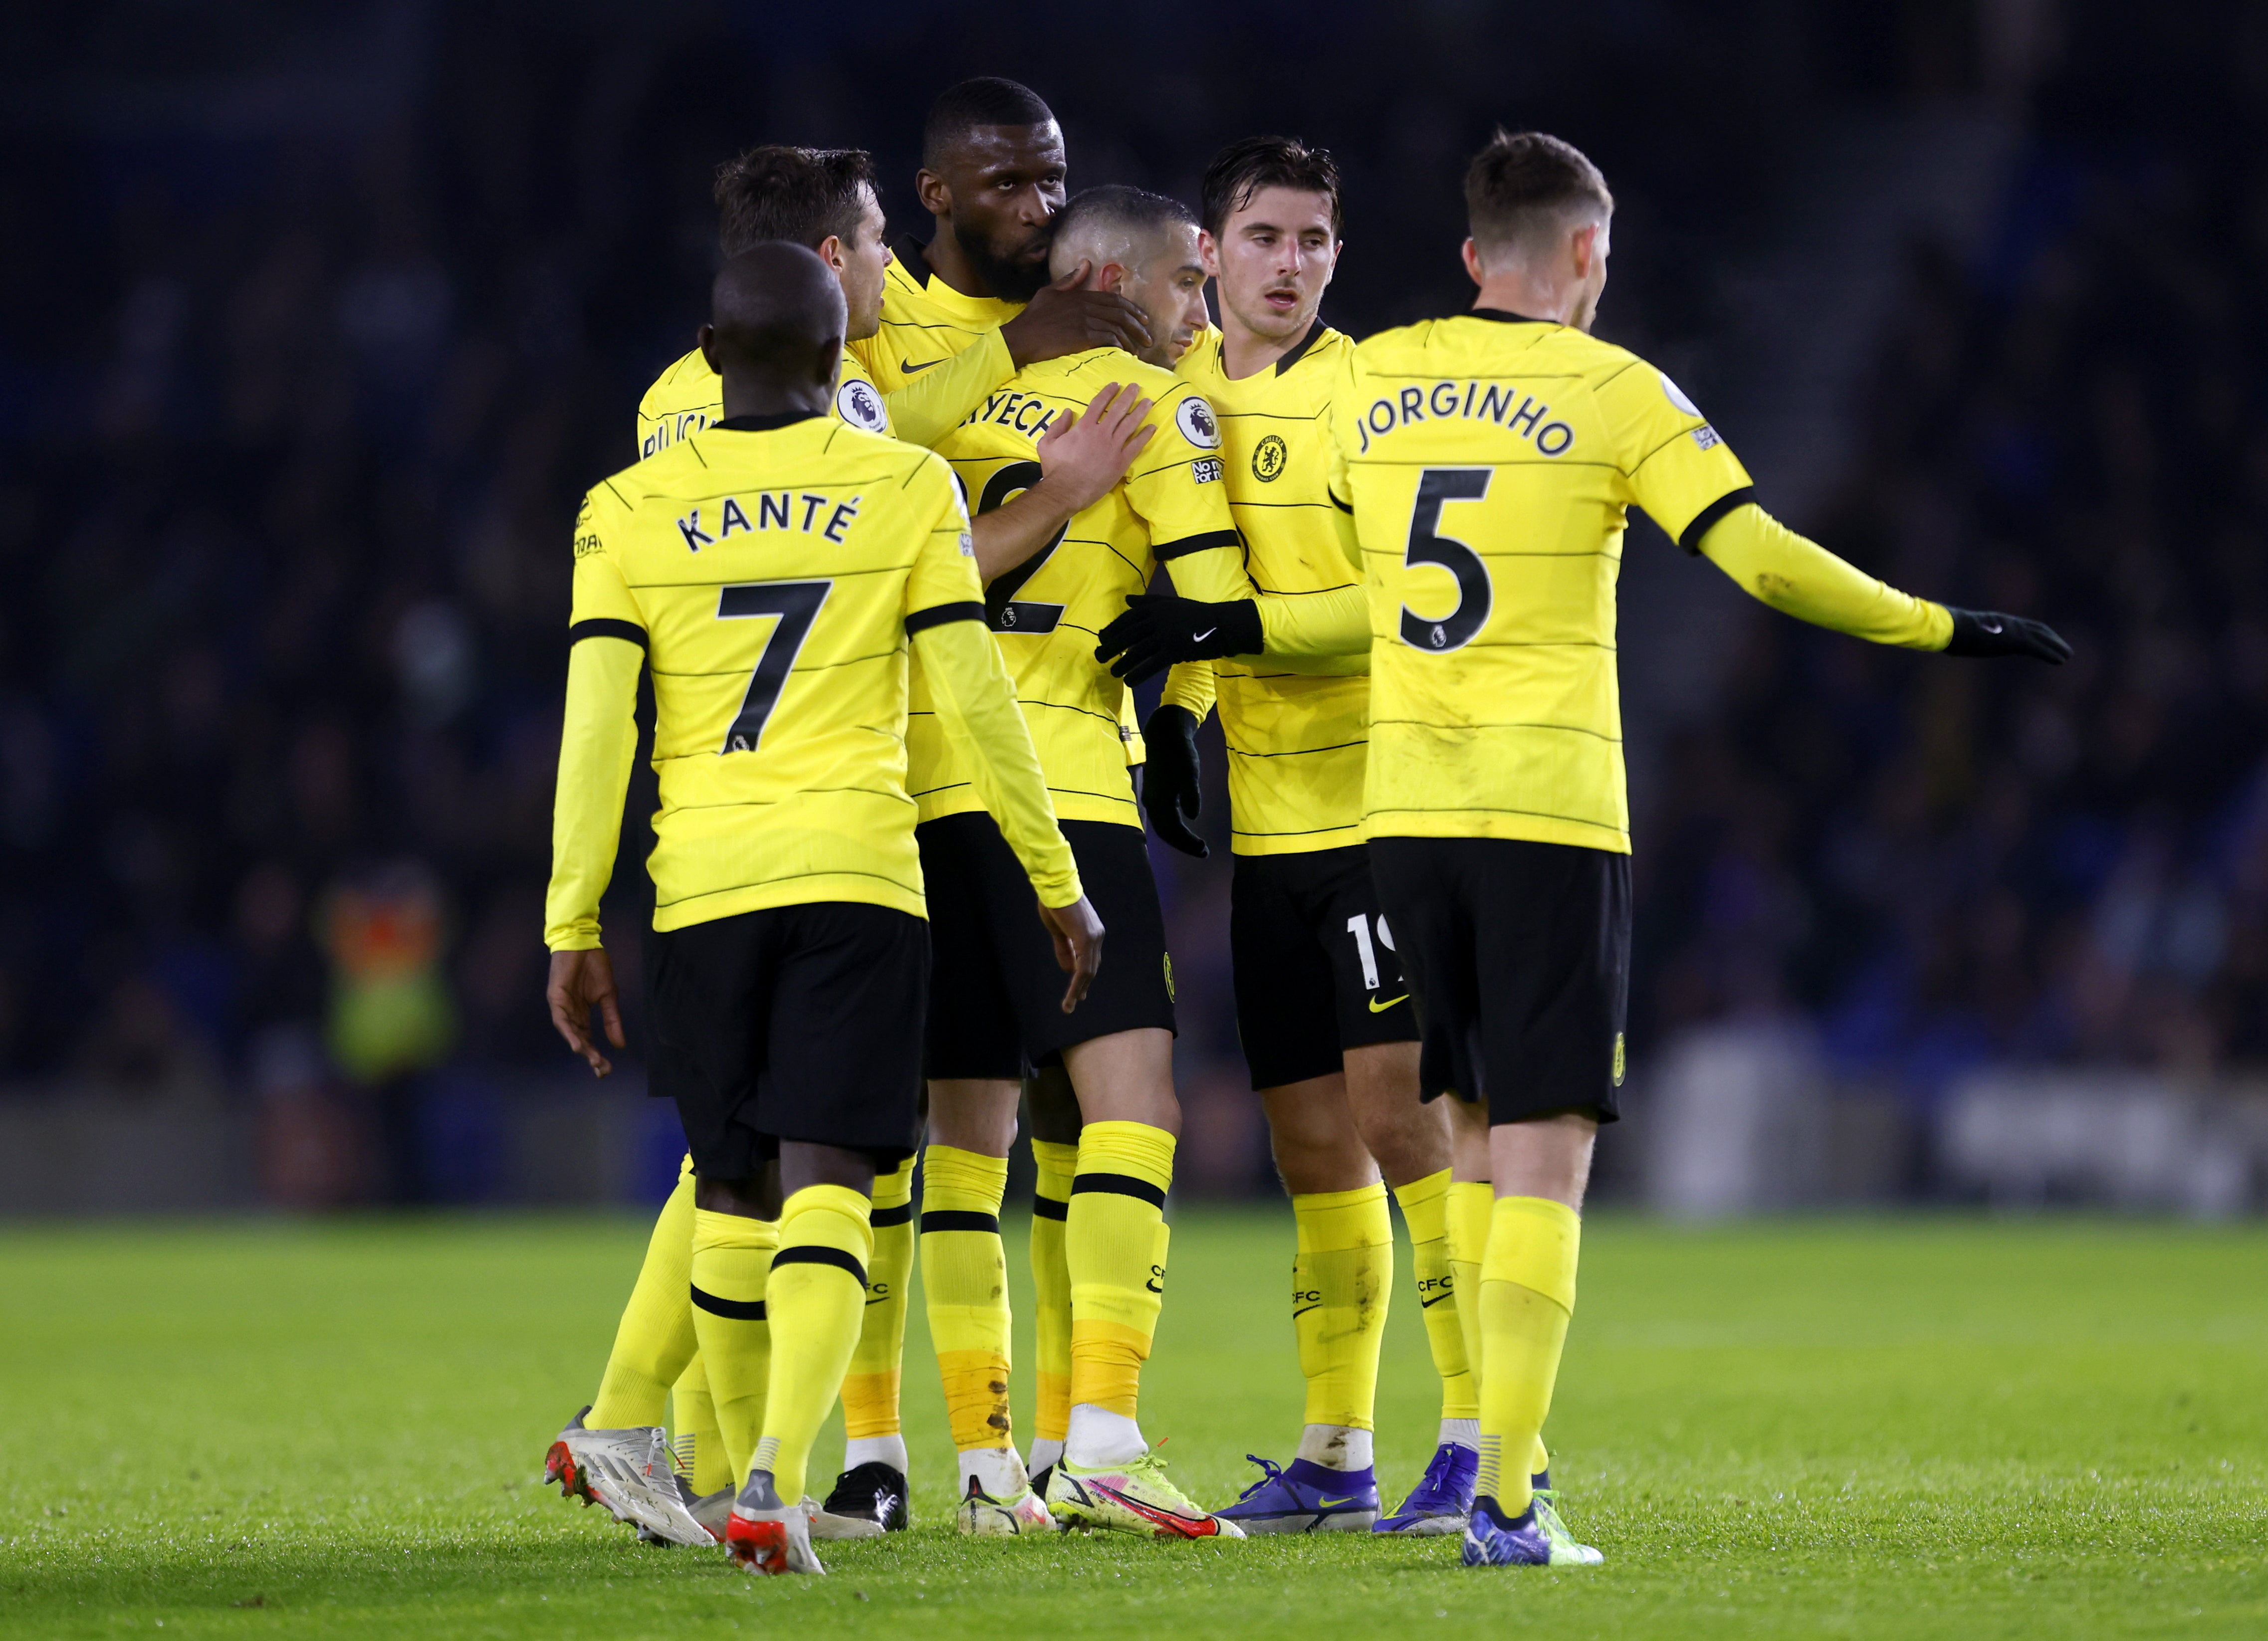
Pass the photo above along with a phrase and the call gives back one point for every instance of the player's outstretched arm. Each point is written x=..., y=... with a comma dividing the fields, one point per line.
x=1160, y=631
x=1802, y=579
x=978, y=703
x=1080, y=459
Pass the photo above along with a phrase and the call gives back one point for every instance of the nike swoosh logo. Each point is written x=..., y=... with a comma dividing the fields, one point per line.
x=1427, y=1304
x=1202, y=637
x=1376, y=1007
x=907, y=367
x=885, y=1299
x=1332, y=1504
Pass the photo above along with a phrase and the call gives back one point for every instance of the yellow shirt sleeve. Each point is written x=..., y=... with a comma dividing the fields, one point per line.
x=1802, y=579
x=598, y=738
x=969, y=687
x=1677, y=466
x=1190, y=686
x=936, y=401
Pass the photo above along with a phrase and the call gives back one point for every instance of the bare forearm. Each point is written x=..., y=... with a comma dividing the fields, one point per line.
x=1009, y=535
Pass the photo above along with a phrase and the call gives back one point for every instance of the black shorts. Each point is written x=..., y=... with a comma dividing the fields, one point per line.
x=794, y=1023
x=1316, y=971
x=1518, y=955
x=995, y=995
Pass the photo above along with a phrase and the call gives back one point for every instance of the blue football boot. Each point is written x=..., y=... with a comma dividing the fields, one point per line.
x=1535, y=1538
x=1305, y=1497
x=1442, y=1499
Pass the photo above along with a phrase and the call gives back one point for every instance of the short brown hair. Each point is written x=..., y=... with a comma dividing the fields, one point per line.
x=804, y=195
x=1525, y=186
x=1243, y=168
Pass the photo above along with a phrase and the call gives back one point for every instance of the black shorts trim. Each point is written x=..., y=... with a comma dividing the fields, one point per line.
x=738, y=1310
x=1118, y=1185
x=1314, y=962
x=797, y=1023
x=1050, y=1208
x=814, y=1254
x=959, y=1219
x=1518, y=955
x=882, y=1218
x=995, y=995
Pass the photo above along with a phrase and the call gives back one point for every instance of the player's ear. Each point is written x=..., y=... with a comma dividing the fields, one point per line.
x=830, y=251
x=1473, y=268
x=706, y=339
x=1112, y=276
x=932, y=190
x=1208, y=254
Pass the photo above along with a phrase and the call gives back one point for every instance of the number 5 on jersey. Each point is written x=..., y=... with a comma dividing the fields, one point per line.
x=1427, y=546
x=796, y=603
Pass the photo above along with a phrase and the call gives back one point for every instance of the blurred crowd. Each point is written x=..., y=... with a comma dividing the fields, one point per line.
x=312, y=332
x=1948, y=864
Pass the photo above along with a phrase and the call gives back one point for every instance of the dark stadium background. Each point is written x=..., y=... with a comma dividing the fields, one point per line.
x=314, y=323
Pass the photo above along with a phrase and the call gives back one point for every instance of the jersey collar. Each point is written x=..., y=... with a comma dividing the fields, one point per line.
x=1300, y=348
x=1506, y=316
x=766, y=423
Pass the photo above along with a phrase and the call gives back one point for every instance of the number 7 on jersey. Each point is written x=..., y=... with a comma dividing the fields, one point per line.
x=796, y=603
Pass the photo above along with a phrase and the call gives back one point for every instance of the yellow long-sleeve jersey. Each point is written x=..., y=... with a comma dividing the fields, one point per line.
x=1489, y=461
x=775, y=575
x=1045, y=613
x=1296, y=729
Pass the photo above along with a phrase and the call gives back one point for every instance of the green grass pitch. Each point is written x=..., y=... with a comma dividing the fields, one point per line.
x=1941, y=1427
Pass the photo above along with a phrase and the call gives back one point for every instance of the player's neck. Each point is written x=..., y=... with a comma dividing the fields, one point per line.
x=1530, y=299
x=949, y=263
x=1246, y=352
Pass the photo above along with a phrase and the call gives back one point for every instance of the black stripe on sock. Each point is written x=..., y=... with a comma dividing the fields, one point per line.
x=737, y=1310
x=959, y=1219
x=901, y=1215
x=1050, y=1208
x=1120, y=1184
x=815, y=1254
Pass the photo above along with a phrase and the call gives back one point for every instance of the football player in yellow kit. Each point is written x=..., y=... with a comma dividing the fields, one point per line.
x=989, y=1015
x=778, y=571
x=610, y=1454
x=1489, y=461
x=1322, y=1012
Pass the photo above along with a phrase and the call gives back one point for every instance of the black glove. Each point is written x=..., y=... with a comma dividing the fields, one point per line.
x=1170, y=790
x=1158, y=630
x=1988, y=633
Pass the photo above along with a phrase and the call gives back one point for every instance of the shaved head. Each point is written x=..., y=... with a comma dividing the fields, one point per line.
x=777, y=320
x=775, y=307
x=1116, y=224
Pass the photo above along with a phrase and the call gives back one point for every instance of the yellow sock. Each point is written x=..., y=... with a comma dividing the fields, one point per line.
x=965, y=1284
x=700, y=1444
x=732, y=1260
x=1425, y=1206
x=870, y=1390
x=1342, y=1278
x=654, y=1340
x=1527, y=1294
x=1470, y=1203
x=1051, y=1288
x=817, y=1294
x=1114, y=1249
